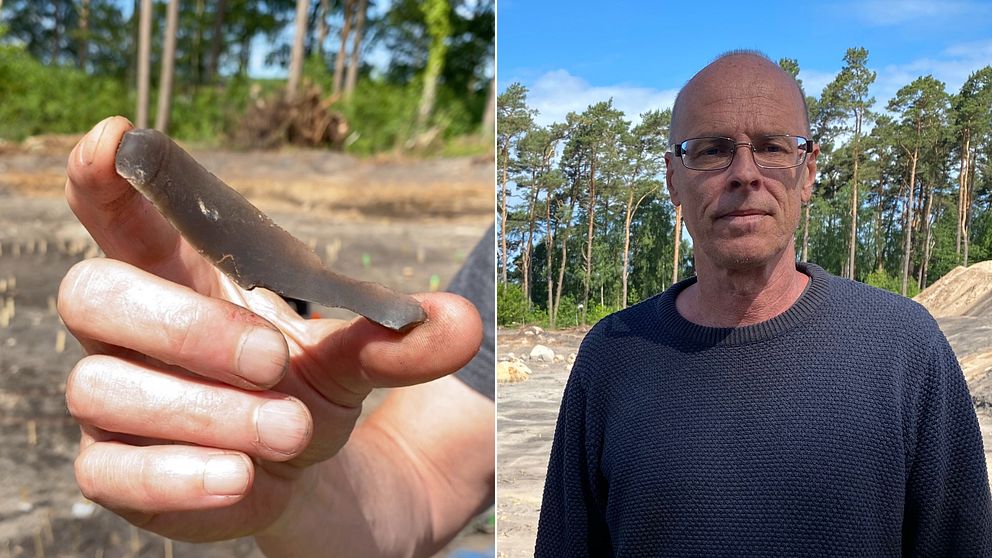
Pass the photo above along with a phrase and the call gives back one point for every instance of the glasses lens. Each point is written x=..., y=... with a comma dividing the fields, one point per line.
x=707, y=153
x=779, y=151
x=770, y=152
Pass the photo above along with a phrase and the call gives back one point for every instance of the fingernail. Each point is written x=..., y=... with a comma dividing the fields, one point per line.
x=92, y=141
x=226, y=475
x=283, y=426
x=263, y=356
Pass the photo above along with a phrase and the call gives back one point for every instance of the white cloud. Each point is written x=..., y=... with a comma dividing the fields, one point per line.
x=814, y=81
x=952, y=66
x=556, y=93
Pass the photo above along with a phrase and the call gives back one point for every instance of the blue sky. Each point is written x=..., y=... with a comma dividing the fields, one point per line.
x=571, y=54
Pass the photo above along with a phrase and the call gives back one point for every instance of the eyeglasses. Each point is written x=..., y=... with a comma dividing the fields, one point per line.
x=717, y=153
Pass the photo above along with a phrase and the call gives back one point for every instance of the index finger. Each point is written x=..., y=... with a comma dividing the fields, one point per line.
x=125, y=225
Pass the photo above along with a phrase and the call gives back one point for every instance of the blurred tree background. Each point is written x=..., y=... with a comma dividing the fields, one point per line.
x=368, y=76
x=586, y=227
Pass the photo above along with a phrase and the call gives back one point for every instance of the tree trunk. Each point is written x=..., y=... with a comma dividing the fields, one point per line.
x=168, y=67
x=131, y=72
x=144, y=69
x=216, y=41
x=879, y=239
x=355, y=59
x=853, y=248
x=339, y=58
x=439, y=26
x=56, y=33
x=196, y=56
x=549, y=244
x=907, y=248
x=529, y=246
x=322, y=27
x=566, y=232
x=489, y=116
x=625, y=271
x=296, y=59
x=678, y=243
x=928, y=230
x=588, y=255
x=244, y=55
x=967, y=208
x=504, y=258
x=84, y=33
x=561, y=271
x=963, y=189
x=805, y=255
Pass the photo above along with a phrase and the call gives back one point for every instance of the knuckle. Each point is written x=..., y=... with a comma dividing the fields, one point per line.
x=78, y=385
x=73, y=290
x=181, y=331
x=200, y=405
x=83, y=468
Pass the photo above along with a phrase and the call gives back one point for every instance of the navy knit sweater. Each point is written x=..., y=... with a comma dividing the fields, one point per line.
x=842, y=427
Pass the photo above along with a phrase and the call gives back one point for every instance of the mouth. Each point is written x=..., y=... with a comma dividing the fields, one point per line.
x=743, y=213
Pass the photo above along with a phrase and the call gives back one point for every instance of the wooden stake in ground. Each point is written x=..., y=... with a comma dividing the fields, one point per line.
x=296, y=59
x=168, y=67
x=32, y=433
x=144, y=53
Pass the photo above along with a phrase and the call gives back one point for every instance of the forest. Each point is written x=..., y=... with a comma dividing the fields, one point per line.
x=586, y=226
x=363, y=75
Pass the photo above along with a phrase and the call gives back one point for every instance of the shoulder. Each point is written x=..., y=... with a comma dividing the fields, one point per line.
x=618, y=328
x=863, y=304
x=615, y=340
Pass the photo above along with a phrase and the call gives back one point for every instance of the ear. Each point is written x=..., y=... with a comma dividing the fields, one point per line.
x=669, y=166
x=810, y=173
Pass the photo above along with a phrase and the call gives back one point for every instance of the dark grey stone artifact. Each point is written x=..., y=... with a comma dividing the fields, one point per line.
x=242, y=241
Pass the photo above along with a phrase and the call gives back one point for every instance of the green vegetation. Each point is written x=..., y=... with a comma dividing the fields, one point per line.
x=38, y=99
x=65, y=65
x=585, y=219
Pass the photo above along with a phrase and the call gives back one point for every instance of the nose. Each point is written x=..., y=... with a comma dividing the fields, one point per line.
x=743, y=171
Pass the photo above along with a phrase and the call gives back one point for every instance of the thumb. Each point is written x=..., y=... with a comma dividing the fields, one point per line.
x=362, y=355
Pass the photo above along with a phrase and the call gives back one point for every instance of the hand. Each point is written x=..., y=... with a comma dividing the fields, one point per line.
x=203, y=405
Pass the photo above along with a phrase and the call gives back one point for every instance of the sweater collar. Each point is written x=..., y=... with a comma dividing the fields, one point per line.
x=799, y=313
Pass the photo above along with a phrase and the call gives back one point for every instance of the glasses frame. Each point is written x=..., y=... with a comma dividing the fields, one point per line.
x=680, y=148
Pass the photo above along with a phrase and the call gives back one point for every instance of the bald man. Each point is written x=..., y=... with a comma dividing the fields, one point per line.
x=763, y=407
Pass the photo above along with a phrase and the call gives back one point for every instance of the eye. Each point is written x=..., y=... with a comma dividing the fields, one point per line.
x=709, y=147
x=775, y=145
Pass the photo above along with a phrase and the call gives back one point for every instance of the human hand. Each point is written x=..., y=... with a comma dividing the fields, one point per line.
x=202, y=405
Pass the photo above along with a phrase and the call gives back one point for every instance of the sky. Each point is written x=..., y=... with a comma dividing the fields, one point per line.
x=570, y=54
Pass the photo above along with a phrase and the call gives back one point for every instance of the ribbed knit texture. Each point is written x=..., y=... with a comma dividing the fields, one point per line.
x=842, y=427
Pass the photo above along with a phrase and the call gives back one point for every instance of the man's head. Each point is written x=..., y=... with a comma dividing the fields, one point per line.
x=744, y=215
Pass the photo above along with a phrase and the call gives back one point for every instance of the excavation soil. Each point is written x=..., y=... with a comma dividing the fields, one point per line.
x=527, y=411
x=408, y=224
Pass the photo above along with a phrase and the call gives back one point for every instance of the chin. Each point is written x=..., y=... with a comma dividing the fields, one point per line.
x=745, y=254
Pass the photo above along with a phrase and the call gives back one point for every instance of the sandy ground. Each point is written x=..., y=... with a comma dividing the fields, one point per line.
x=525, y=420
x=405, y=224
x=527, y=413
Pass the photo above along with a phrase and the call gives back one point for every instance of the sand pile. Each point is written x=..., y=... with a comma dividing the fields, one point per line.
x=962, y=303
x=965, y=291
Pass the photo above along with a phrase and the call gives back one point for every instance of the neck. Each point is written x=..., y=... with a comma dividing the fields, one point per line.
x=734, y=297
